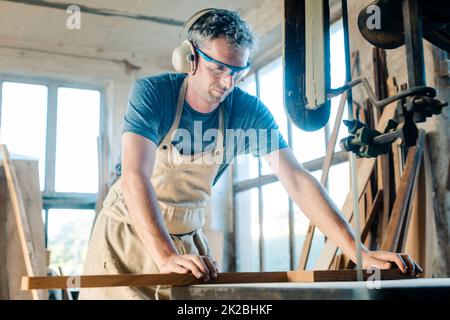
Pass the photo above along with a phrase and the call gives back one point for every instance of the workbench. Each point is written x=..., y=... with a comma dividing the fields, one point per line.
x=436, y=288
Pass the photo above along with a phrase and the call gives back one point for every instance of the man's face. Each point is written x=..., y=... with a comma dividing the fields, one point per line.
x=213, y=82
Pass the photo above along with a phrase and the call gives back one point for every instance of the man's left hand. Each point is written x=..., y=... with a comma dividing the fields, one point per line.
x=385, y=260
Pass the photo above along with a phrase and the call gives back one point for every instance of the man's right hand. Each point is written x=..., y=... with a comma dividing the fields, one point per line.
x=202, y=267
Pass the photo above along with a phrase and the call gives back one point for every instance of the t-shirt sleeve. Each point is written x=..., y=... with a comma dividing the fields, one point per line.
x=269, y=137
x=143, y=115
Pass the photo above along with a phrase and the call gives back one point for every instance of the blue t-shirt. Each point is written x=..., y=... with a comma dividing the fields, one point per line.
x=249, y=125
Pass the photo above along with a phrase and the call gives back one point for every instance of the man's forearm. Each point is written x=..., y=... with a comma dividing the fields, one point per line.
x=145, y=213
x=317, y=205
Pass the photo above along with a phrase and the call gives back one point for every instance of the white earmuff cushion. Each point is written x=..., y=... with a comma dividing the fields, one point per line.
x=183, y=58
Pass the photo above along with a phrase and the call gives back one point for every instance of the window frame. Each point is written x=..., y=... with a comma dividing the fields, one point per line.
x=50, y=198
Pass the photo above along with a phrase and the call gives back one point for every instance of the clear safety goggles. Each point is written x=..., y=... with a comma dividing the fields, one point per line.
x=219, y=69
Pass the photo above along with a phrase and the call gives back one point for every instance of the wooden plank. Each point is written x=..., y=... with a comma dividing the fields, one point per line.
x=364, y=172
x=133, y=280
x=141, y=280
x=430, y=214
x=4, y=279
x=414, y=236
x=369, y=204
x=412, y=207
x=25, y=234
x=362, y=208
x=343, y=275
x=399, y=211
x=373, y=211
x=397, y=163
x=27, y=173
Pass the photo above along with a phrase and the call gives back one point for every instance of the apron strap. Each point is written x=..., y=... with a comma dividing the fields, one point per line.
x=179, y=111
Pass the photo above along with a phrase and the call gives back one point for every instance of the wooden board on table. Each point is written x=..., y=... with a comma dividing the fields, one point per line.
x=141, y=280
x=344, y=275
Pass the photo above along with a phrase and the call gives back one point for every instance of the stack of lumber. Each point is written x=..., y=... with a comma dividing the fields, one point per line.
x=15, y=258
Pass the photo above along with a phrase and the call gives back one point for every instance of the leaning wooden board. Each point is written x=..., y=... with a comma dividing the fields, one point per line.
x=140, y=280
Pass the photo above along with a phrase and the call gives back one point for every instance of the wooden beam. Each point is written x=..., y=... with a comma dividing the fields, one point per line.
x=430, y=228
x=401, y=204
x=142, y=280
x=21, y=218
x=372, y=213
x=374, y=210
x=101, y=12
x=4, y=279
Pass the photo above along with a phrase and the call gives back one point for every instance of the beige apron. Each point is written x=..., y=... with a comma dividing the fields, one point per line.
x=183, y=185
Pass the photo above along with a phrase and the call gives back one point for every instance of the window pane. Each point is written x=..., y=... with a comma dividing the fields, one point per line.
x=249, y=84
x=24, y=121
x=337, y=76
x=76, y=140
x=68, y=238
x=276, y=227
x=301, y=223
x=246, y=167
x=339, y=183
x=247, y=231
x=271, y=93
x=308, y=145
x=337, y=63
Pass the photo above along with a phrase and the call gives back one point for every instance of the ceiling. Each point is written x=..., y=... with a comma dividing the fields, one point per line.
x=122, y=30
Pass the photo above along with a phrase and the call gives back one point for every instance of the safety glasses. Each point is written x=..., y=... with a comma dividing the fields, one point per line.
x=219, y=68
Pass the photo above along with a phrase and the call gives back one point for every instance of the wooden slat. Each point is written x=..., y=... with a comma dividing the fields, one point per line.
x=92, y=281
x=373, y=211
x=369, y=205
x=18, y=206
x=4, y=279
x=343, y=275
x=430, y=214
x=142, y=280
x=397, y=163
x=412, y=208
x=399, y=211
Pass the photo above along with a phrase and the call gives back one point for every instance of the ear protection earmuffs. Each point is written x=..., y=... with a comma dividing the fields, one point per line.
x=184, y=57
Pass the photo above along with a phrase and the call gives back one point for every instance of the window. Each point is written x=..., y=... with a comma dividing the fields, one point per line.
x=264, y=214
x=76, y=143
x=57, y=124
x=68, y=237
x=24, y=121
